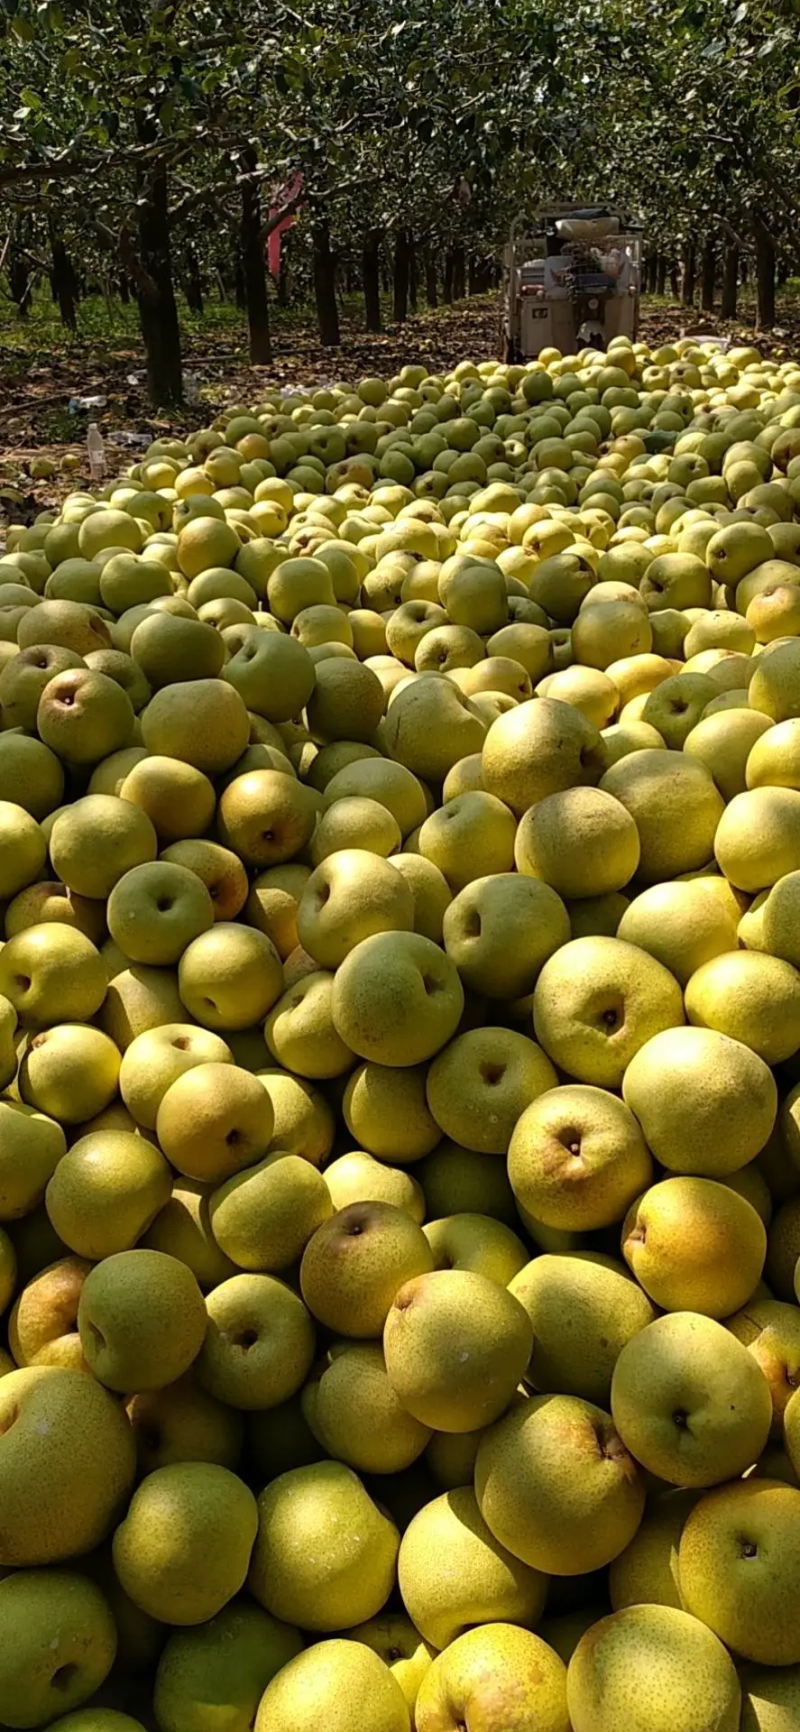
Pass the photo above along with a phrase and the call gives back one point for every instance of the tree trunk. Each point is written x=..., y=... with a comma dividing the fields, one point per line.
x=765, y=276
x=431, y=289
x=239, y=290
x=708, y=276
x=447, y=286
x=744, y=269
x=661, y=274
x=400, y=278
x=459, y=274
x=371, y=280
x=730, y=282
x=123, y=289
x=254, y=271
x=473, y=276
x=325, y=284
x=413, y=277
x=62, y=278
x=688, y=276
x=283, y=272
x=158, y=312
x=193, y=282
x=674, y=280
x=19, y=281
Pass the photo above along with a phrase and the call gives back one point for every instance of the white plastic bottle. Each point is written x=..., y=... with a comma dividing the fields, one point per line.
x=97, y=452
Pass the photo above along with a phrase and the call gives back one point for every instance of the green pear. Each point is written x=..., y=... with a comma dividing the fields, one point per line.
x=68, y=1462
x=771, y=1698
x=57, y=1644
x=31, y=1146
x=214, y=1676
x=344, y=1683
x=182, y=1422
x=325, y=1556
x=106, y=1192
x=183, y=1549
x=94, y=842
x=583, y=1310
x=690, y=1401
x=454, y=1573
x=141, y=1320
x=259, y=1344
x=456, y=1346
x=354, y=1413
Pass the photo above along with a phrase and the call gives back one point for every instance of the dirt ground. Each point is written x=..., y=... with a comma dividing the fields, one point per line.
x=41, y=369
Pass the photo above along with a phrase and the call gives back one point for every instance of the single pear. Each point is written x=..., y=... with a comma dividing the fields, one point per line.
x=325, y=1555
x=690, y=1401
x=353, y=1411
x=141, y=1320
x=339, y=1682
x=453, y=1573
x=57, y=1644
x=183, y=1549
x=67, y=1464
x=456, y=1346
x=652, y=1669
x=223, y=1666
x=355, y=1263
x=499, y=1677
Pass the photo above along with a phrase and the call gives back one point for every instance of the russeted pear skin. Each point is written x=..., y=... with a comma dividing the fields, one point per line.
x=652, y=1669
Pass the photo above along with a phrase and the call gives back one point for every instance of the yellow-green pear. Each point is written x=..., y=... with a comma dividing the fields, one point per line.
x=479, y=1085
x=183, y=1549
x=356, y=1262
x=453, y=1573
x=557, y=1486
x=647, y=1572
x=325, y=1555
x=756, y=1521
x=343, y=1683
x=695, y=1245
x=221, y=1668
x=690, y=1402
x=577, y=1158
x=596, y=1002
x=456, y=1346
x=652, y=1669
x=57, y=1644
x=499, y=1677
x=683, y=925
x=706, y=1102
x=583, y=1309
x=67, y=1461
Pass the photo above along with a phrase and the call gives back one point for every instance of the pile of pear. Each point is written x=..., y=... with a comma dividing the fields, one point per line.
x=400, y=1063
